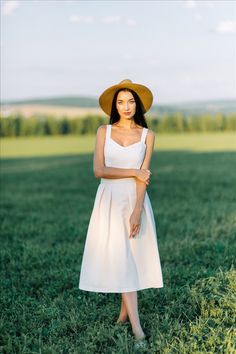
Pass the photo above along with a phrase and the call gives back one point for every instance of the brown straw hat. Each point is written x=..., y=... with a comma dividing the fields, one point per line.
x=145, y=95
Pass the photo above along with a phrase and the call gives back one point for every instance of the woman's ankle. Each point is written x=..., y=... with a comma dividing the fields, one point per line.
x=138, y=332
x=140, y=336
x=123, y=317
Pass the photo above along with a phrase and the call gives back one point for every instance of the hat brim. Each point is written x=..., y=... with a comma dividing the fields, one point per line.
x=145, y=95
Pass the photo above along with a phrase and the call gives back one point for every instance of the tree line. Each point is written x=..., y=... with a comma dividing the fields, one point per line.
x=18, y=125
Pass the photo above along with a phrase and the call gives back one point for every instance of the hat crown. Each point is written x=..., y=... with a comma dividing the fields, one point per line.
x=126, y=81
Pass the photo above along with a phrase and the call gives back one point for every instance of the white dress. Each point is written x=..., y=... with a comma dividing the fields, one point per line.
x=112, y=262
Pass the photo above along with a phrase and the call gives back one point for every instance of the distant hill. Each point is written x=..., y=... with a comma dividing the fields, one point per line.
x=197, y=107
x=67, y=101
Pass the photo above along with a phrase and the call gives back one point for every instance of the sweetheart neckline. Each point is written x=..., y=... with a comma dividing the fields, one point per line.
x=138, y=142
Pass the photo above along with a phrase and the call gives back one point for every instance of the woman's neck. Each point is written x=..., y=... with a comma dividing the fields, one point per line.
x=126, y=124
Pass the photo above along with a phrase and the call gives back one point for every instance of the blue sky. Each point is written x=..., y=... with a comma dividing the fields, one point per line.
x=182, y=50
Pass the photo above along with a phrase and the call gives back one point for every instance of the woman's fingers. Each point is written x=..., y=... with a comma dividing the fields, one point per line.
x=135, y=230
x=148, y=178
x=132, y=231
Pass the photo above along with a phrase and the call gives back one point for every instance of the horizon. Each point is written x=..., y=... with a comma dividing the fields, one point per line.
x=96, y=98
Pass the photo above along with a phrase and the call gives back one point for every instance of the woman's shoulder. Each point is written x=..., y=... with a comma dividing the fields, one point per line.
x=102, y=129
x=149, y=131
x=150, y=134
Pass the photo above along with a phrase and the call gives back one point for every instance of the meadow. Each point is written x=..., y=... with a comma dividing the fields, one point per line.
x=47, y=194
x=59, y=145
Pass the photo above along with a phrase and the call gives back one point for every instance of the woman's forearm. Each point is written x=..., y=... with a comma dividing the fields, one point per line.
x=114, y=172
x=140, y=194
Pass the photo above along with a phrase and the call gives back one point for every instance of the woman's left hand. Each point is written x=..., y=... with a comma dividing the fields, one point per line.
x=135, y=222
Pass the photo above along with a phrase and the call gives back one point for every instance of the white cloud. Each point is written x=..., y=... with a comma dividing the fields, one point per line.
x=130, y=22
x=9, y=7
x=193, y=4
x=190, y=4
x=111, y=19
x=226, y=26
x=210, y=4
x=81, y=19
x=119, y=19
x=108, y=19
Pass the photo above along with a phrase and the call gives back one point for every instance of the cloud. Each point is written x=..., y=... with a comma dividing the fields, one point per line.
x=9, y=7
x=81, y=19
x=119, y=19
x=190, y=4
x=209, y=4
x=193, y=4
x=225, y=27
x=108, y=19
x=130, y=22
x=111, y=19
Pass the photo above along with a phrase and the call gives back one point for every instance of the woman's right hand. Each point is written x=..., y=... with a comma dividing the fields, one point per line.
x=143, y=175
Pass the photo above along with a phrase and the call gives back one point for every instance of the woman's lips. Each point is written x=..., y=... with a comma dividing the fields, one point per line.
x=127, y=113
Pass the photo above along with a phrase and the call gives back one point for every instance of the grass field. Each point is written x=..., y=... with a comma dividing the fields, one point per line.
x=44, y=217
x=75, y=144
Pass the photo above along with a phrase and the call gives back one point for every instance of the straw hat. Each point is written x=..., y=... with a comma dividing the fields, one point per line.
x=145, y=95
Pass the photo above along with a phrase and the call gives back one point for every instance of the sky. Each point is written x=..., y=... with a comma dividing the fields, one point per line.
x=184, y=51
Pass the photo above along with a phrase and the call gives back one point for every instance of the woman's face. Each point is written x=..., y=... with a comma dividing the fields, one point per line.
x=125, y=104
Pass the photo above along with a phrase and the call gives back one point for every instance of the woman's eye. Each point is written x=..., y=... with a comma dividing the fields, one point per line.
x=121, y=102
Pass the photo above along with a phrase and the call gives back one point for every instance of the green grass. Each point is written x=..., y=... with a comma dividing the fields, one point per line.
x=45, y=213
x=74, y=144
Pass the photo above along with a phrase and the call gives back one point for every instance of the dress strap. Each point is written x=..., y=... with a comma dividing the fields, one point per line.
x=144, y=134
x=108, y=131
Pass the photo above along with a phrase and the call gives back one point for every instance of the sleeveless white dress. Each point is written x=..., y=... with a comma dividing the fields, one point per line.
x=112, y=262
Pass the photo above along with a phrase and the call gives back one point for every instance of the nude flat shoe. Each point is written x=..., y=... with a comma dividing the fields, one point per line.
x=140, y=343
x=122, y=322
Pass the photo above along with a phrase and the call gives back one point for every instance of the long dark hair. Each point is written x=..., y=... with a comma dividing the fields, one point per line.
x=138, y=117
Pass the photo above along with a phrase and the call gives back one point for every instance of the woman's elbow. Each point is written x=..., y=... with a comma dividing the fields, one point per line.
x=98, y=172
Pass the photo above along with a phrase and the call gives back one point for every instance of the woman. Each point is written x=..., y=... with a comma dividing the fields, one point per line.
x=121, y=251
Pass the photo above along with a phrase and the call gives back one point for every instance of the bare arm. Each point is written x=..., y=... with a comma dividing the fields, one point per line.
x=141, y=186
x=99, y=168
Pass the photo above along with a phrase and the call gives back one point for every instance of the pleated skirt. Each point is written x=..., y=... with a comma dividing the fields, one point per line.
x=112, y=262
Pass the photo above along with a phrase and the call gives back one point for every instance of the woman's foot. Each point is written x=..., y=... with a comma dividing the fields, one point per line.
x=141, y=344
x=140, y=341
x=122, y=319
